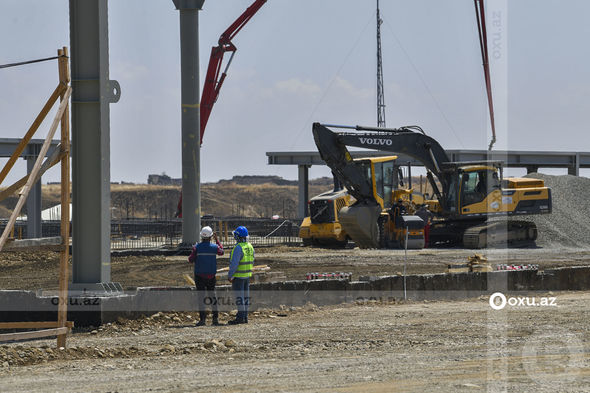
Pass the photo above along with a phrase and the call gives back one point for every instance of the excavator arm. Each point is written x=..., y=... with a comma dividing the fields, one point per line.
x=337, y=157
x=333, y=150
x=365, y=221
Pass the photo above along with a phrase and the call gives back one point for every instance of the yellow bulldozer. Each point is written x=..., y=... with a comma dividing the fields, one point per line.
x=322, y=226
x=467, y=195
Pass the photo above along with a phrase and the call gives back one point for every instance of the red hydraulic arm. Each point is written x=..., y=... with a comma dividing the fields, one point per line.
x=213, y=79
x=483, y=43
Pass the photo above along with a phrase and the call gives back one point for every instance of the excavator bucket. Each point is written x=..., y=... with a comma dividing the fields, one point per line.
x=360, y=223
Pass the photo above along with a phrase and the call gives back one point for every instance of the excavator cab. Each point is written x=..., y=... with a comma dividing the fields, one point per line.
x=382, y=173
x=476, y=185
x=472, y=189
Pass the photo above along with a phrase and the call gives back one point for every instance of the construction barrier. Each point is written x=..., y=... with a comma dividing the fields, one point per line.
x=148, y=234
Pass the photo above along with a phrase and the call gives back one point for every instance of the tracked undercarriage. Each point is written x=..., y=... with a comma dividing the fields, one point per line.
x=484, y=234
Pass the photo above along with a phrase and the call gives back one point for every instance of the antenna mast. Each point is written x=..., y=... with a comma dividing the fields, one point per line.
x=380, y=94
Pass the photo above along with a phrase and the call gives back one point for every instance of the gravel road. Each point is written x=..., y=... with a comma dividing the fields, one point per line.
x=373, y=347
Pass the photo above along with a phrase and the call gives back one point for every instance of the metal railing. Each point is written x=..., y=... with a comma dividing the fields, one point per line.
x=152, y=234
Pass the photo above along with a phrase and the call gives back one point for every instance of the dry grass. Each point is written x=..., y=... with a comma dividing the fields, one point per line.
x=218, y=199
x=143, y=200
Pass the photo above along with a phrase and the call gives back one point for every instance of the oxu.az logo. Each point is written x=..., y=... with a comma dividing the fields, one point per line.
x=376, y=141
x=498, y=301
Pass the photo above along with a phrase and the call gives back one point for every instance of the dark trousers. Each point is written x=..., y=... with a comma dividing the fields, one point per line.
x=241, y=288
x=206, y=296
x=426, y=234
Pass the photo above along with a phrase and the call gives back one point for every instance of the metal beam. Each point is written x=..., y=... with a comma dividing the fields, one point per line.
x=8, y=146
x=531, y=160
x=189, y=75
x=30, y=154
x=513, y=159
x=93, y=92
x=303, y=210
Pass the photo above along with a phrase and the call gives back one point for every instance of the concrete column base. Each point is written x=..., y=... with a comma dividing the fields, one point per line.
x=97, y=289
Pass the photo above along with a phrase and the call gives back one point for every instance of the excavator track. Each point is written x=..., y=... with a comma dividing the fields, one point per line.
x=500, y=233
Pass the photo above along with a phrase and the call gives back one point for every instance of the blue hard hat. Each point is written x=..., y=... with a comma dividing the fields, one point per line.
x=241, y=231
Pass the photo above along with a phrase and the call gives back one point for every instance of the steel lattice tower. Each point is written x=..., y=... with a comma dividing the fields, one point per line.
x=380, y=93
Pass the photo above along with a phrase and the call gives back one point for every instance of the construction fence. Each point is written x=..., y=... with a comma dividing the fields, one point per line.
x=153, y=234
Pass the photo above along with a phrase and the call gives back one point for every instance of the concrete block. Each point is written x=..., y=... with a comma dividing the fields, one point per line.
x=86, y=310
x=521, y=280
x=397, y=283
x=324, y=292
x=579, y=278
x=381, y=284
x=358, y=291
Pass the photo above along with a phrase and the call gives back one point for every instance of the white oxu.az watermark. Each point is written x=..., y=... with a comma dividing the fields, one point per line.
x=498, y=301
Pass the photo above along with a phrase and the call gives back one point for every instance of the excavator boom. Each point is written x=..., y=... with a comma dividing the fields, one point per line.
x=333, y=150
x=215, y=77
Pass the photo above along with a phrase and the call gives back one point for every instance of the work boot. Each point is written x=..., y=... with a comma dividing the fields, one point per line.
x=216, y=319
x=202, y=318
x=236, y=321
x=201, y=322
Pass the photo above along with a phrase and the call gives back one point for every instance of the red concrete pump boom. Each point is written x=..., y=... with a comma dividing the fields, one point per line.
x=483, y=43
x=214, y=80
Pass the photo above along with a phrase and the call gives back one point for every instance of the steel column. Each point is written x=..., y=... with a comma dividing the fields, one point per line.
x=302, y=208
x=575, y=168
x=190, y=100
x=91, y=194
x=34, y=201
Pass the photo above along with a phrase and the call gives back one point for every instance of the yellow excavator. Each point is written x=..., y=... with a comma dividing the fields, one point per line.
x=470, y=196
x=324, y=225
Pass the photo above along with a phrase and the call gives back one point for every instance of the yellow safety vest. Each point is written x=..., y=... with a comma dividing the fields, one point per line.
x=245, y=265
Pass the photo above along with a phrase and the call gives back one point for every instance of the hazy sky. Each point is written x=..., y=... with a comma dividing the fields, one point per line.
x=301, y=61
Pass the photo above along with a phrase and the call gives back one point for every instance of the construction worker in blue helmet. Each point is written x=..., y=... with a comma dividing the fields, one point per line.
x=240, y=271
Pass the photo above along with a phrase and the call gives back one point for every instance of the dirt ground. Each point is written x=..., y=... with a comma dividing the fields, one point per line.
x=22, y=270
x=461, y=346
x=450, y=346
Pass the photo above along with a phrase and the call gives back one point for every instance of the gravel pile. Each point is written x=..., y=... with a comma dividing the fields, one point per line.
x=569, y=224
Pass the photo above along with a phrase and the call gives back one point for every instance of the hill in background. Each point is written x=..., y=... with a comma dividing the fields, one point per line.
x=250, y=196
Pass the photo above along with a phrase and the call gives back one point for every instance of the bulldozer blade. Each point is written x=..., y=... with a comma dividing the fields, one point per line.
x=414, y=244
x=360, y=223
